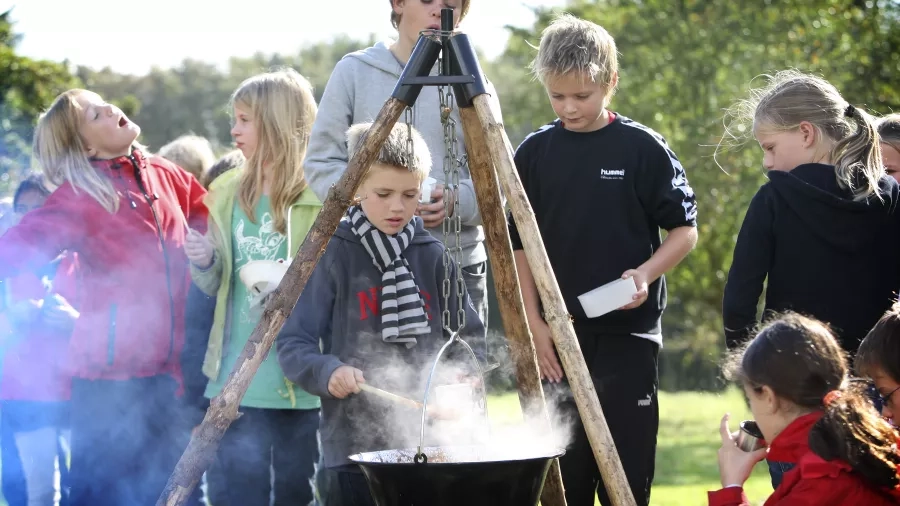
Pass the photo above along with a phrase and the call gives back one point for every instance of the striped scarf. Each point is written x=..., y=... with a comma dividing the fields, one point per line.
x=402, y=308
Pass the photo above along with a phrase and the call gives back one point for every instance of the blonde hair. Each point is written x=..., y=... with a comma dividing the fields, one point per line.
x=395, y=18
x=61, y=154
x=395, y=149
x=570, y=45
x=792, y=97
x=889, y=130
x=283, y=108
x=190, y=152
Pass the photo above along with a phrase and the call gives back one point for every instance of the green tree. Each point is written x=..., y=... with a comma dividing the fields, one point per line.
x=193, y=97
x=27, y=87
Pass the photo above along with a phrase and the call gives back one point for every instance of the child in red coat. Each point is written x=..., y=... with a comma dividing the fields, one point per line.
x=794, y=375
x=127, y=215
x=37, y=314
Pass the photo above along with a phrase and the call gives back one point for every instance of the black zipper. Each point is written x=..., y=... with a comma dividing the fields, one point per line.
x=162, y=243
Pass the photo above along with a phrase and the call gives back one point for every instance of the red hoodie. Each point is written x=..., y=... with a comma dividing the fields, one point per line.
x=34, y=364
x=134, y=270
x=814, y=481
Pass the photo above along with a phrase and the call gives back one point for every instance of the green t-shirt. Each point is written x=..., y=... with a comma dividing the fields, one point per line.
x=253, y=241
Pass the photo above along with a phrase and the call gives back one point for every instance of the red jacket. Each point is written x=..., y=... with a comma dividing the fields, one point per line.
x=34, y=362
x=814, y=481
x=134, y=270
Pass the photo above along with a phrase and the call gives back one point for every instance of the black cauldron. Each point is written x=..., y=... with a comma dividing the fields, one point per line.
x=456, y=475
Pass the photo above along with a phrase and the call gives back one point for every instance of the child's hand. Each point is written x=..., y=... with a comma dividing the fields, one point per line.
x=735, y=464
x=546, y=353
x=59, y=314
x=433, y=214
x=345, y=380
x=199, y=249
x=640, y=281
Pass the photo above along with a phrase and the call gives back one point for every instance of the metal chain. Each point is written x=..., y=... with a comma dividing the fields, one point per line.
x=452, y=221
x=410, y=154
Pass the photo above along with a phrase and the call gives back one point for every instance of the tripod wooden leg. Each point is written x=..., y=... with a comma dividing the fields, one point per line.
x=223, y=409
x=509, y=298
x=557, y=315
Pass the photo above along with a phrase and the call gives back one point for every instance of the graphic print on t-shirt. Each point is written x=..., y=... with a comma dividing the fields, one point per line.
x=252, y=243
x=263, y=246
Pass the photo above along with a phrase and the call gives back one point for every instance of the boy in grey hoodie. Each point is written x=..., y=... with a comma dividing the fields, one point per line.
x=371, y=312
x=357, y=89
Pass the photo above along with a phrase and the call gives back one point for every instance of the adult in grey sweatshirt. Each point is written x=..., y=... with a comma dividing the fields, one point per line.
x=357, y=89
x=340, y=307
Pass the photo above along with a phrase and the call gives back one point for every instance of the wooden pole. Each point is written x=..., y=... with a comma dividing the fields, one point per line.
x=223, y=409
x=509, y=297
x=557, y=315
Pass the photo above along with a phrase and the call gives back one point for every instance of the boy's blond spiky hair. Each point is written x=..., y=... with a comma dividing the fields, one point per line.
x=395, y=150
x=571, y=45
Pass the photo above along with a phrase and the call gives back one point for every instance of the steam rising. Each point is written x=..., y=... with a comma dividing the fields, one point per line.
x=395, y=426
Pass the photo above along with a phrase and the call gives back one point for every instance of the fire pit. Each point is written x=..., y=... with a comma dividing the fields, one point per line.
x=456, y=475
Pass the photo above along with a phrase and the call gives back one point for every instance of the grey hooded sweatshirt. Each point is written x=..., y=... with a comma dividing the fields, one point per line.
x=358, y=87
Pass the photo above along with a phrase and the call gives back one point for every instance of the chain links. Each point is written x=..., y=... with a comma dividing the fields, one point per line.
x=410, y=154
x=452, y=221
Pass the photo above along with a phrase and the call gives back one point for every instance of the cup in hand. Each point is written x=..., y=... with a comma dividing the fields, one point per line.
x=427, y=188
x=749, y=437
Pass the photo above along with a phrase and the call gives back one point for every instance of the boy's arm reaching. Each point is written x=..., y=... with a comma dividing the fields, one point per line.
x=326, y=155
x=677, y=244
x=550, y=368
x=298, y=348
x=669, y=200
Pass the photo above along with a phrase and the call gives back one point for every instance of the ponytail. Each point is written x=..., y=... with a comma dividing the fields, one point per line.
x=790, y=98
x=852, y=431
x=857, y=157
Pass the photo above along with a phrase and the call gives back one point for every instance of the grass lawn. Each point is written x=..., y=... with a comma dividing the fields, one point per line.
x=686, y=465
x=688, y=439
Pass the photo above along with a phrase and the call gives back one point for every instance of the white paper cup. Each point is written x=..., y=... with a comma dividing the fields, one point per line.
x=427, y=188
x=259, y=275
x=608, y=297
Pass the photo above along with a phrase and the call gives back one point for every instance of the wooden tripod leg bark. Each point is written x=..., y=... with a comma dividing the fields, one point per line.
x=223, y=409
x=558, y=317
x=509, y=297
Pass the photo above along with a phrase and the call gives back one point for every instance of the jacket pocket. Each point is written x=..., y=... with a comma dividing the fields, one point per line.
x=111, y=335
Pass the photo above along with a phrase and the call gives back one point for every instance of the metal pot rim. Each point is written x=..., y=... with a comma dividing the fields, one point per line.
x=481, y=454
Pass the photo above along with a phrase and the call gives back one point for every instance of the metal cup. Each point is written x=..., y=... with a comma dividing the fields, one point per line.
x=749, y=437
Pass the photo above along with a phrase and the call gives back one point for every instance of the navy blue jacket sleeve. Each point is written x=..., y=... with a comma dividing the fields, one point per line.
x=664, y=190
x=299, y=353
x=749, y=267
